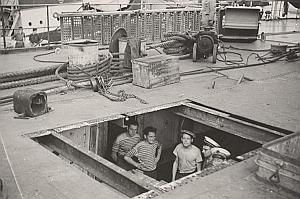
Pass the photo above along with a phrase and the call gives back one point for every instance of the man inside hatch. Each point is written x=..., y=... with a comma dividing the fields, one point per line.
x=124, y=143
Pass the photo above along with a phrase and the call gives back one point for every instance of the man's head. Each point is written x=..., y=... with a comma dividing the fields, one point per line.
x=187, y=137
x=206, y=150
x=132, y=128
x=20, y=29
x=219, y=155
x=150, y=134
x=218, y=158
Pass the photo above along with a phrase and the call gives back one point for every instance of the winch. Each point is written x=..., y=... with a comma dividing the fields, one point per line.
x=206, y=45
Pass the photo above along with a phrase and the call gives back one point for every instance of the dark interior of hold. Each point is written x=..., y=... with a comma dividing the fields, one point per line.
x=38, y=104
x=99, y=138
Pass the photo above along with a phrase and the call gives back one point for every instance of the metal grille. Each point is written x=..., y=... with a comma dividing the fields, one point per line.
x=107, y=28
x=150, y=25
x=98, y=28
x=88, y=26
x=178, y=22
x=77, y=27
x=156, y=26
x=66, y=29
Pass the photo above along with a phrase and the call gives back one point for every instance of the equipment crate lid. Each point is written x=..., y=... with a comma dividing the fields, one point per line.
x=154, y=59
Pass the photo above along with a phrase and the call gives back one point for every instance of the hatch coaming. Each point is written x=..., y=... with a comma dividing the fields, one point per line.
x=88, y=144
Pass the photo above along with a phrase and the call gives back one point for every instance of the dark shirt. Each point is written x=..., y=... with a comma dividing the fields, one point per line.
x=34, y=38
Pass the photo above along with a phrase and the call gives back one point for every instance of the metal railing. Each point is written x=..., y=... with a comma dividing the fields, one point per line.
x=147, y=24
x=101, y=25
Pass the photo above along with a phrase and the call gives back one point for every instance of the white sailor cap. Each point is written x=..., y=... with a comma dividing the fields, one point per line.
x=210, y=142
x=220, y=152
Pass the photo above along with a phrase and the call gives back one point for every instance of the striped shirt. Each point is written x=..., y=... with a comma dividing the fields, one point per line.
x=125, y=143
x=145, y=152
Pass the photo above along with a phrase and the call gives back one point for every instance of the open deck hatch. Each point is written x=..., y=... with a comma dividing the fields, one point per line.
x=88, y=144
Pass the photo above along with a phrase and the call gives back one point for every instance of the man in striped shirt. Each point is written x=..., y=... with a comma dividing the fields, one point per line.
x=147, y=152
x=124, y=143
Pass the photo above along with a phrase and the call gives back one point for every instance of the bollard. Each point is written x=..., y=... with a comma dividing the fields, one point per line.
x=30, y=102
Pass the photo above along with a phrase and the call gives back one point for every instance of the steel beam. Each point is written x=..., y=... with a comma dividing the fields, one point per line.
x=225, y=122
x=101, y=168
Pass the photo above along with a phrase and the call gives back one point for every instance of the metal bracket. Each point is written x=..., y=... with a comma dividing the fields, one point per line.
x=275, y=178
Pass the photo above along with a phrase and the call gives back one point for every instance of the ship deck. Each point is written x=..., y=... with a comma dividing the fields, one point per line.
x=273, y=98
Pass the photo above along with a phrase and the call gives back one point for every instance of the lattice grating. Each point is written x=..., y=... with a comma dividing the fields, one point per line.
x=185, y=20
x=198, y=18
x=178, y=21
x=148, y=21
x=156, y=26
x=171, y=22
x=133, y=25
x=164, y=24
x=67, y=29
x=98, y=29
x=141, y=26
x=148, y=25
x=107, y=31
x=77, y=27
x=116, y=22
x=88, y=28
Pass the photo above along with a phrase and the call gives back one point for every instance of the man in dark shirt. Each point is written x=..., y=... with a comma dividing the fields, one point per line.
x=34, y=38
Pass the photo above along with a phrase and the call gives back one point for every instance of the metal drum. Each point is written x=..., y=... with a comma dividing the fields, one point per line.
x=83, y=56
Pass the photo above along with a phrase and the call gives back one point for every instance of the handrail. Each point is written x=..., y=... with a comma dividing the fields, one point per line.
x=89, y=13
x=148, y=24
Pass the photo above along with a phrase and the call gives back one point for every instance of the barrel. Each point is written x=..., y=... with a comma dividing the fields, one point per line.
x=30, y=102
x=82, y=54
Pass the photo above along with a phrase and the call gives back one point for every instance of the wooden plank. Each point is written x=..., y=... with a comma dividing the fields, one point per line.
x=102, y=139
x=93, y=130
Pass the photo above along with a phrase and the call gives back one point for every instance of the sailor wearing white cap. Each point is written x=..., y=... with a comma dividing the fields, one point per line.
x=213, y=153
x=215, y=156
x=219, y=155
x=210, y=142
x=206, y=150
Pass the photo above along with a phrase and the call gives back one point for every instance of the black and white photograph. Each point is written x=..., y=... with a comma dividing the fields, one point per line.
x=143, y=99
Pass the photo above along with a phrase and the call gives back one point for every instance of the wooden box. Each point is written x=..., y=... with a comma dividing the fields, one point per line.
x=279, y=162
x=155, y=71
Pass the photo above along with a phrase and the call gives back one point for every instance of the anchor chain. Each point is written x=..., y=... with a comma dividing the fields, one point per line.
x=120, y=96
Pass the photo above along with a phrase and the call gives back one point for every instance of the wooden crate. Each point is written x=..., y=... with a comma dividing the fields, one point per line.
x=279, y=162
x=155, y=71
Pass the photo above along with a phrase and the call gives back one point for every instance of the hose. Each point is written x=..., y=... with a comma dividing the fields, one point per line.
x=46, y=61
x=30, y=73
x=32, y=81
x=177, y=43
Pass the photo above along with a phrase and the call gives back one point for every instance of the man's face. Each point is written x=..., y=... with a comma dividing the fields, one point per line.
x=132, y=130
x=150, y=137
x=186, y=140
x=217, y=161
x=206, y=150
